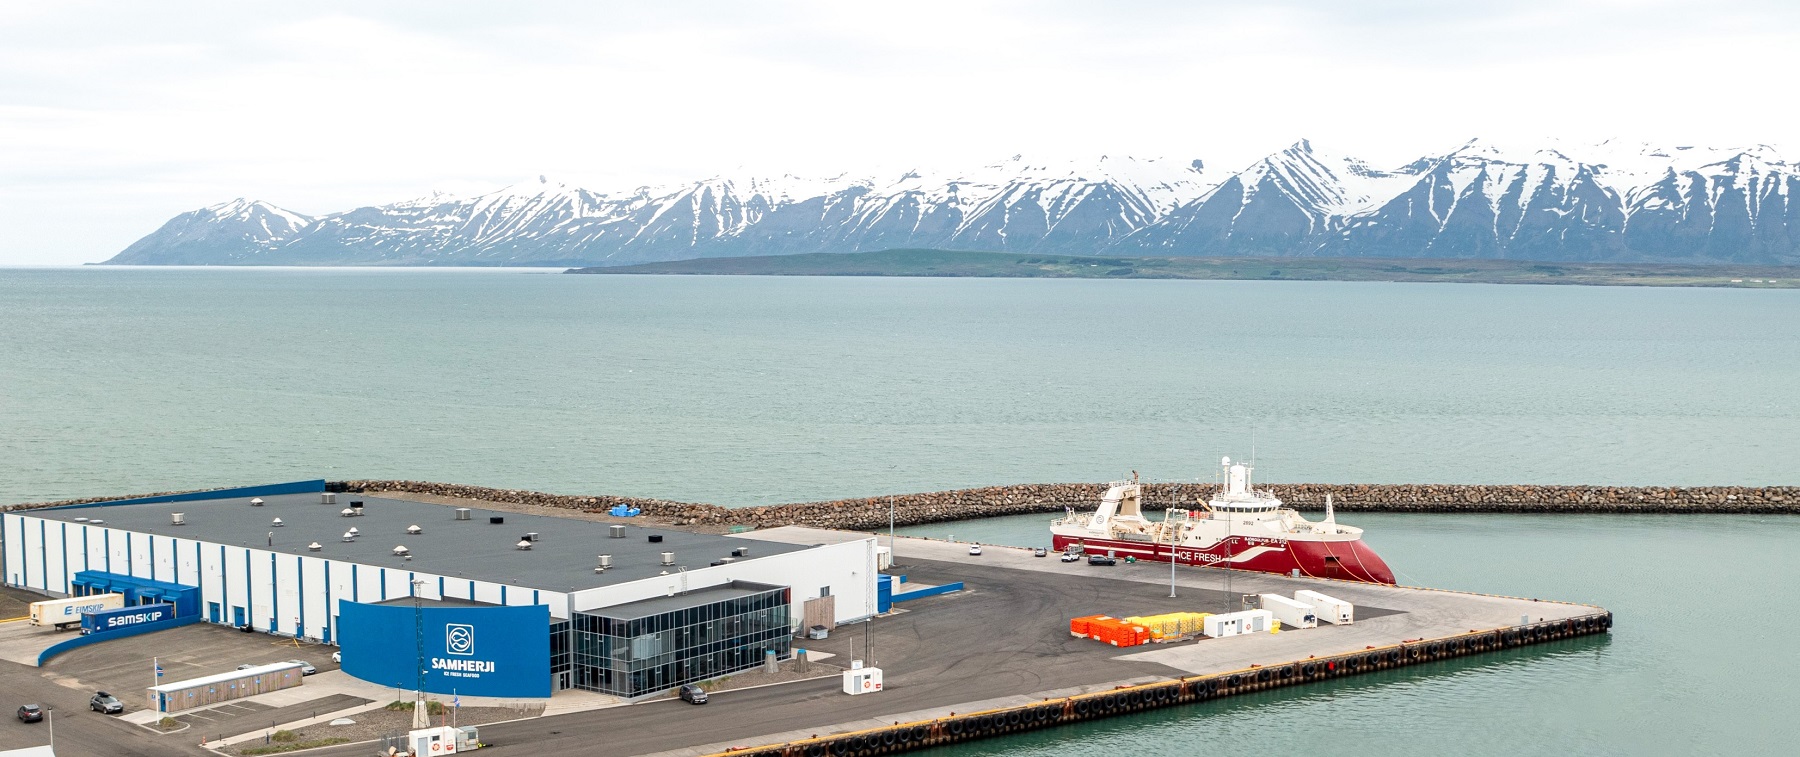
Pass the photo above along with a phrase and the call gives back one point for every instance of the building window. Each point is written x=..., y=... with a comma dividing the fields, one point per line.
x=824, y=591
x=634, y=656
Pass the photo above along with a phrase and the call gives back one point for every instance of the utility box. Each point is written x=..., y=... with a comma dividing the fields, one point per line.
x=1334, y=611
x=442, y=740
x=1290, y=612
x=861, y=680
x=1237, y=623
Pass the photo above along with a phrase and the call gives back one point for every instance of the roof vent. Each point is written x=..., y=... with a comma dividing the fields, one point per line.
x=727, y=560
x=531, y=536
x=349, y=536
x=496, y=519
x=356, y=506
x=605, y=562
x=414, y=529
x=354, y=532
x=716, y=563
x=524, y=544
x=656, y=538
x=741, y=552
x=180, y=519
x=81, y=520
x=462, y=513
x=96, y=521
x=277, y=523
x=617, y=531
x=314, y=547
x=256, y=502
x=401, y=550
x=346, y=512
x=328, y=498
x=668, y=558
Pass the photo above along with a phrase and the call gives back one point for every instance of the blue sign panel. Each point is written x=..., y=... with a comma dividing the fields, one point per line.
x=113, y=620
x=479, y=651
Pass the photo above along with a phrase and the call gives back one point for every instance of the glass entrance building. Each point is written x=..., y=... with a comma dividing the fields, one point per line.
x=649, y=646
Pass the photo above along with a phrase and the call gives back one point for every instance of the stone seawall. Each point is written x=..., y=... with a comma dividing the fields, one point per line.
x=933, y=507
x=869, y=513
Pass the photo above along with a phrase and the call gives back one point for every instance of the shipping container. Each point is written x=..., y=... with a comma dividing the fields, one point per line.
x=1290, y=612
x=113, y=620
x=1238, y=623
x=66, y=613
x=1328, y=610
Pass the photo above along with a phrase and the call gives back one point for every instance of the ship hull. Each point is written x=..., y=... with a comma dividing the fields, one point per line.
x=1348, y=560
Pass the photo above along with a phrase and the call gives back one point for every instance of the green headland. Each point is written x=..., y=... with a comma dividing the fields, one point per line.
x=950, y=263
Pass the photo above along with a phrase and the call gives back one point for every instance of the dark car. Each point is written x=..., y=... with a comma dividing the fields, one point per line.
x=106, y=704
x=1101, y=560
x=693, y=694
x=30, y=713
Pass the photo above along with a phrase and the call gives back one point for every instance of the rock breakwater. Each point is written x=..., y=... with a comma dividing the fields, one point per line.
x=869, y=513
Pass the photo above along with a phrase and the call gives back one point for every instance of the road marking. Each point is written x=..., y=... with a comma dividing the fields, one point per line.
x=14, y=620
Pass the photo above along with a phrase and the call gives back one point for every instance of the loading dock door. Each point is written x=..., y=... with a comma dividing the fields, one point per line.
x=212, y=611
x=237, y=617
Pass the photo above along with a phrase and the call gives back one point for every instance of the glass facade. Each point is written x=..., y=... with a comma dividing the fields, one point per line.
x=630, y=653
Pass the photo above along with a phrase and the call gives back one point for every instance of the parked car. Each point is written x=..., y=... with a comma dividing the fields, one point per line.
x=30, y=713
x=1101, y=560
x=306, y=668
x=1071, y=557
x=338, y=657
x=693, y=694
x=974, y=549
x=106, y=704
x=1040, y=552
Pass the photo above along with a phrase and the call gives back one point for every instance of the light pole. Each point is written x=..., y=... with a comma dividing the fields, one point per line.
x=421, y=719
x=1169, y=533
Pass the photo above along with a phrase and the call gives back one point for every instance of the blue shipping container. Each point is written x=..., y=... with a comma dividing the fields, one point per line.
x=112, y=620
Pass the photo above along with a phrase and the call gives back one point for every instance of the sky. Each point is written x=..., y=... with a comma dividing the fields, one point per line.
x=116, y=116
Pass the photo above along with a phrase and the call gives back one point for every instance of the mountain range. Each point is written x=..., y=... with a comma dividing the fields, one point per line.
x=1607, y=202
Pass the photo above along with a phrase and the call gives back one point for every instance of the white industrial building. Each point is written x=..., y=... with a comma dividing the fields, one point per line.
x=282, y=563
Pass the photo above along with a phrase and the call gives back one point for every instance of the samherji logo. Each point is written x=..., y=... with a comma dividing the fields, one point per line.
x=459, y=639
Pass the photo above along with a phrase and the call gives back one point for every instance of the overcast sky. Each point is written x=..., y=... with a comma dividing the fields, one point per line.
x=116, y=116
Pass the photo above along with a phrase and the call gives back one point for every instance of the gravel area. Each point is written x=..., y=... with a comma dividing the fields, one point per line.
x=377, y=723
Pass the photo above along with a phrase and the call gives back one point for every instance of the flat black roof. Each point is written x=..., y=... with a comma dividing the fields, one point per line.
x=563, y=557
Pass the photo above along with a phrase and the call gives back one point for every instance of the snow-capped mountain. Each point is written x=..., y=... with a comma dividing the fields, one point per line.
x=1549, y=201
x=1283, y=203
x=237, y=232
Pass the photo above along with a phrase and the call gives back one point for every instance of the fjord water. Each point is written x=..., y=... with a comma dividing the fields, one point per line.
x=744, y=390
x=757, y=390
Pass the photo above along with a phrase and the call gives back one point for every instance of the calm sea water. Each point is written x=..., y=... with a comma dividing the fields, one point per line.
x=759, y=390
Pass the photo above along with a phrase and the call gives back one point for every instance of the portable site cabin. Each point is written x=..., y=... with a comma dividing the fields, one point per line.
x=213, y=689
x=1289, y=612
x=1237, y=623
x=1329, y=610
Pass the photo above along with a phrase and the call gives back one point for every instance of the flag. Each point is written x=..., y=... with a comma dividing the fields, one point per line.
x=455, y=701
x=159, y=670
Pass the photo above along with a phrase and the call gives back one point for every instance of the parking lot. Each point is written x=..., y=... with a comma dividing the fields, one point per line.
x=125, y=666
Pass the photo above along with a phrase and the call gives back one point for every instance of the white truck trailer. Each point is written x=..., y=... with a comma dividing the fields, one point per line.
x=66, y=613
x=1292, y=614
x=1334, y=611
x=1237, y=623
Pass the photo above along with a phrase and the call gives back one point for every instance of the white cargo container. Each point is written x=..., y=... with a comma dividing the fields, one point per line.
x=1292, y=614
x=66, y=613
x=1329, y=610
x=1236, y=623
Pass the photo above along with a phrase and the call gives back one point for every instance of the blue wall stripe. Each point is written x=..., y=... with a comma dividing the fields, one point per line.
x=384, y=584
x=300, y=623
x=328, y=608
x=354, y=589
x=274, y=596
x=65, y=558
x=43, y=554
x=249, y=592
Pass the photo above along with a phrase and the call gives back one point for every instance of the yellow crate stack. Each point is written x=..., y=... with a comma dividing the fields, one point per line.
x=1169, y=625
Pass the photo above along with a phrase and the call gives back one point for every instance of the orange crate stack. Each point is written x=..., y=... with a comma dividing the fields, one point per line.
x=1079, y=626
x=1117, y=632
